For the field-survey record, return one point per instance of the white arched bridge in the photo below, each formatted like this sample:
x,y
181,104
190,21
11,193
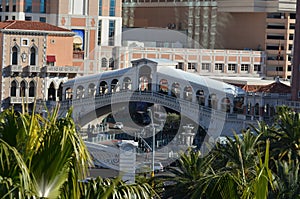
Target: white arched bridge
x,y
216,106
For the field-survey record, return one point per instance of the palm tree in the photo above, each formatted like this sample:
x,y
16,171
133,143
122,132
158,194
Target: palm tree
x,y
185,180
53,152
115,188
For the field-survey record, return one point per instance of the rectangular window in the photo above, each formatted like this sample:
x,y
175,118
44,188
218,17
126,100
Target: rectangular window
x,y
289,68
112,8
13,17
14,8
219,67
28,6
205,66
100,7
244,67
231,67
7,6
111,32
6,18
99,31
257,67
43,19
0,5
27,18
192,66
24,42
42,6
180,65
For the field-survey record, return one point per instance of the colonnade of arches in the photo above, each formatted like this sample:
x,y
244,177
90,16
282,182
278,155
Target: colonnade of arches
x,y
166,86
26,88
23,88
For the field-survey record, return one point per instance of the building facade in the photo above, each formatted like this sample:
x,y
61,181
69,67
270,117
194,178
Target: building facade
x,y
226,24
36,59
94,22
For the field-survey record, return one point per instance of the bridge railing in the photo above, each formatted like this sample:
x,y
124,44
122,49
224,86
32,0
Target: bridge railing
x,y
178,104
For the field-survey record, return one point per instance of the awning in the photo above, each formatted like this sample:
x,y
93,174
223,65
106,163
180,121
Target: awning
x,y
51,58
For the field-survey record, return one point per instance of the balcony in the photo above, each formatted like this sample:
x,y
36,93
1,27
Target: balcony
x,y
32,69
20,100
78,55
60,69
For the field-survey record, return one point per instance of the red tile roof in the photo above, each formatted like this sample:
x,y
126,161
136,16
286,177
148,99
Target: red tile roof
x,y
275,87
30,25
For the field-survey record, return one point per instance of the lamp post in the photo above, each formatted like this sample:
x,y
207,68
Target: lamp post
x,y
153,140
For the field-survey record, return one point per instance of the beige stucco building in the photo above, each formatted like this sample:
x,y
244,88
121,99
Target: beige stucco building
x,y
36,59
94,22
225,24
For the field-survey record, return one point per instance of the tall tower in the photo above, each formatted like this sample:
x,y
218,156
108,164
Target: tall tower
x,y
296,58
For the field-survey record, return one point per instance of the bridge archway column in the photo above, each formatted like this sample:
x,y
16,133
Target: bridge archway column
x,y
155,83
194,99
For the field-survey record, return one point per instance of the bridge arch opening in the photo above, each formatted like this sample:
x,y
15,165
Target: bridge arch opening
x,y
200,97
103,87
114,86
176,89
225,104
80,92
145,78
127,84
92,90
69,93
188,93
213,101
163,86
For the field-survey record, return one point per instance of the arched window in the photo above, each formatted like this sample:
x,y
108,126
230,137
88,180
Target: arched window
x,y
13,89
14,60
111,63
103,62
256,109
32,56
22,89
32,89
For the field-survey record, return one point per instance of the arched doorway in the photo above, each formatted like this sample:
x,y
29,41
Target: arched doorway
x,y
225,106
213,101
145,78
80,92
114,86
200,97
175,90
188,93
127,84
163,86
92,90
69,94
103,87
51,92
